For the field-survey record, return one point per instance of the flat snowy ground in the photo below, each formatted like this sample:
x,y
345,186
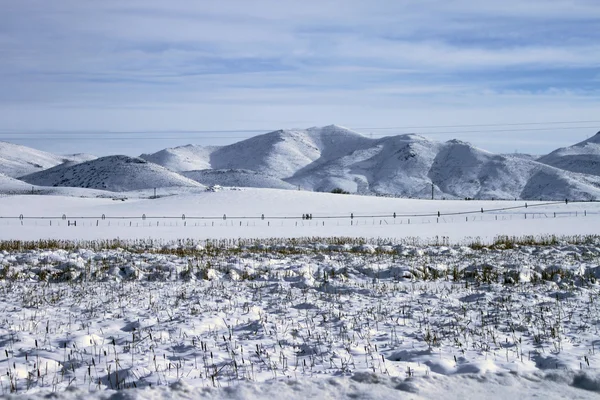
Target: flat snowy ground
x,y
312,318
373,217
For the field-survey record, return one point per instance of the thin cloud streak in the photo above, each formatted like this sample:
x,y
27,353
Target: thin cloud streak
x,y
181,65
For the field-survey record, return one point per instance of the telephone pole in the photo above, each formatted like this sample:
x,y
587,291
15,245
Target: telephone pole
x,y
432,187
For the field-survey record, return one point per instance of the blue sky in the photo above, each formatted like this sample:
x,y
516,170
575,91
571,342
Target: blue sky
x,y
110,76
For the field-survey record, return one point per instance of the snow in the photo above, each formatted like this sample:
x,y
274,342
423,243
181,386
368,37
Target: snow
x,y
112,173
583,157
236,177
183,158
373,216
17,160
250,319
323,159
233,293
11,185
328,158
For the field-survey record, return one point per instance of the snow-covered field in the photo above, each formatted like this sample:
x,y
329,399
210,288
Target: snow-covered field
x,y
425,309
283,209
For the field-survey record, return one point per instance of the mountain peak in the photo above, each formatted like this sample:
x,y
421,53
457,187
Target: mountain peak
x,y
459,142
593,139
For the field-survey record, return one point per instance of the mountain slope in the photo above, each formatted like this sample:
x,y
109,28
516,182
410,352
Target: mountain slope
x,y
280,153
183,158
10,185
236,177
112,173
323,159
17,160
409,165
583,157
283,153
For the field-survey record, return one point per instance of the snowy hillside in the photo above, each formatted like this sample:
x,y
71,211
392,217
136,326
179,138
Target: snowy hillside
x,y
283,153
183,158
583,157
113,173
409,165
236,177
10,185
17,160
323,159
280,153
530,157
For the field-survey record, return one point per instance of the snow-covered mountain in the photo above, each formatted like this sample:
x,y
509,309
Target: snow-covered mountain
x,y
323,159
113,173
280,153
409,165
183,158
583,157
237,177
17,160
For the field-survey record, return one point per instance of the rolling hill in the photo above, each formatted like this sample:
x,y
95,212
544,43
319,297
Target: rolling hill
x,y
112,173
237,177
17,160
10,185
583,157
323,159
183,158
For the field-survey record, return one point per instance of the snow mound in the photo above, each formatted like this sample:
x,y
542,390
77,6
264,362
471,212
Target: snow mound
x,y
112,173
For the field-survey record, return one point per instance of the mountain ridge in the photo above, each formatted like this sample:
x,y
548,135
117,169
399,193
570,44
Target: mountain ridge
x,y
332,157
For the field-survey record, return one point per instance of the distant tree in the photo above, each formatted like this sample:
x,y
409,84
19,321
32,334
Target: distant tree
x,y
339,191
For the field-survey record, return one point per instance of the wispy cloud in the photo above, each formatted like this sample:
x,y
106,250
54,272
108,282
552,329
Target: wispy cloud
x,y
238,64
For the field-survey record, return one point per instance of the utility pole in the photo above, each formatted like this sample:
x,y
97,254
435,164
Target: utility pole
x,y
432,187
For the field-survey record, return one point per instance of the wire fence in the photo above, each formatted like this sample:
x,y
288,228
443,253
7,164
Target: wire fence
x,y
524,208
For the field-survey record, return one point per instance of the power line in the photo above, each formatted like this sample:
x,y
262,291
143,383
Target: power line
x,y
147,132
100,136
432,213
491,125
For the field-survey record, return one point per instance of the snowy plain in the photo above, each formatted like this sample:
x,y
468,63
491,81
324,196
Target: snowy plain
x,y
283,209
421,309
